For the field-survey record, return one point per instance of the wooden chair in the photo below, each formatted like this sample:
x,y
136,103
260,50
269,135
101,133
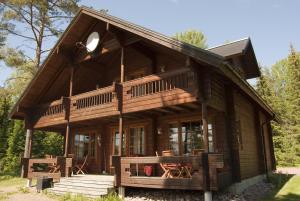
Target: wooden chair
x,y
164,168
53,167
171,170
81,168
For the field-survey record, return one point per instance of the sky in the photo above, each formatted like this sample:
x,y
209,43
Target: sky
x,y
272,25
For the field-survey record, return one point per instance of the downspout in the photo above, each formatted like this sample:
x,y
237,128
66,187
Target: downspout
x,y
264,146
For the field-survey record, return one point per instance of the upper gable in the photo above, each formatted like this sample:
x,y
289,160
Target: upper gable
x,y
54,74
241,56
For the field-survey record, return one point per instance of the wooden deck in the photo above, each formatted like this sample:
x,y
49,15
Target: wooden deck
x,y
146,93
203,170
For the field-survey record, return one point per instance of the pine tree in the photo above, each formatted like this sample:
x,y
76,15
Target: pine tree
x,y
193,37
5,123
16,141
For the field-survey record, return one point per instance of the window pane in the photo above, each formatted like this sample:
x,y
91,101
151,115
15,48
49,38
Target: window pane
x,y
82,145
117,143
137,146
192,137
173,138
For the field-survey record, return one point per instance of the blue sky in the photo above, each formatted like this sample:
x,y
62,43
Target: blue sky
x,y
271,24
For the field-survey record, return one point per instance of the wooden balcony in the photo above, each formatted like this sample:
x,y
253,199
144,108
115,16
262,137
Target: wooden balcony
x,y
94,104
156,91
202,172
146,93
49,114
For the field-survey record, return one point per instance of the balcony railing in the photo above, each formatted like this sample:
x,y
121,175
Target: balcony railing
x,y
94,104
150,92
50,114
154,91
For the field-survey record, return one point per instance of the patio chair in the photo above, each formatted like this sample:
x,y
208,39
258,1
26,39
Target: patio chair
x,y
81,167
171,170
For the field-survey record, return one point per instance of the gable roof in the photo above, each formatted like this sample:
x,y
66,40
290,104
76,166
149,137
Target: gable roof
x,y
243,49
52,65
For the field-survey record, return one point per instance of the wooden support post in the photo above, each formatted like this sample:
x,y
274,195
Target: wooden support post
x,y
67,139
68,108
27,151
122,66
121,134
122,79
28,143
205,126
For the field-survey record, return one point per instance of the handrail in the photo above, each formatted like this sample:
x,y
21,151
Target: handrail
x,y
63,167
152,84
53,108
94,98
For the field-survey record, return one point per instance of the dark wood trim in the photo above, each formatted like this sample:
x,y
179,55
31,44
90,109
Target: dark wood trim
x,y
270,134
261,141
231,133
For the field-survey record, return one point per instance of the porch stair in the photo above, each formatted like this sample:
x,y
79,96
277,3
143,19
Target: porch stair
x,y
91,186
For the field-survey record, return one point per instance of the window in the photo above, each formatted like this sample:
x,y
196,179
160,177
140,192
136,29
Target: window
x,y
137,138
192,137
210,138
189,137
117,142
173,138
84,145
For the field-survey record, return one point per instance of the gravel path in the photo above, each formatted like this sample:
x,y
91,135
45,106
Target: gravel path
x,y
253,193
289,170
14,194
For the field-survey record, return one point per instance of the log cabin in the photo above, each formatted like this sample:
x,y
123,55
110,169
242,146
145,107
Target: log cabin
x,y
141,100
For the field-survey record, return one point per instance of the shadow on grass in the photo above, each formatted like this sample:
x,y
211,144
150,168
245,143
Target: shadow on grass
x,y
279,180
288,197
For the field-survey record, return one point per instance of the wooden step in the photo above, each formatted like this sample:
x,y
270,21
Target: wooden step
x,y
87,185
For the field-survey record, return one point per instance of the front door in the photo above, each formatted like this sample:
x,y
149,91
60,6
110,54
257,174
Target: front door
x,y
86,144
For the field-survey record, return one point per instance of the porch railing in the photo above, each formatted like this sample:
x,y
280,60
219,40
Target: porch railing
x,y
38,167
200,172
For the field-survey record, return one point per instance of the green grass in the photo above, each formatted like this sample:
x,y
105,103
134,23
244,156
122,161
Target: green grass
x,y
286,188
79,197
8,180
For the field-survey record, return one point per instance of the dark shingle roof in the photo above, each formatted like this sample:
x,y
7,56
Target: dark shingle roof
x,y
232,48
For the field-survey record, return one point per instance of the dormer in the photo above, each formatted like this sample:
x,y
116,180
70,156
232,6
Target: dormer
x,y
241,56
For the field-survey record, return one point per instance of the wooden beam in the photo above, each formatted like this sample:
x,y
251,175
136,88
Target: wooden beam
x,y
205,126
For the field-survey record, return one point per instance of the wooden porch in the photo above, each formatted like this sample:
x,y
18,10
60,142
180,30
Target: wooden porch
x,y
193,172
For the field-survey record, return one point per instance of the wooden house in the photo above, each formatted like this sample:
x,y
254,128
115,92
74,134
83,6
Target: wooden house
x,y
191,106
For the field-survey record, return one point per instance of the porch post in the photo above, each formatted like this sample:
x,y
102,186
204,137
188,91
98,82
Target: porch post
x,y
206,93
68,105
205,126
27,149
122,78
67,140
120,97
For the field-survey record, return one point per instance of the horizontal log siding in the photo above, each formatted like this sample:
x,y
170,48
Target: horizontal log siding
x,y
248,141
217,100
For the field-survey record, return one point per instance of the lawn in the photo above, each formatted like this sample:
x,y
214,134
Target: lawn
x,y
287,188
